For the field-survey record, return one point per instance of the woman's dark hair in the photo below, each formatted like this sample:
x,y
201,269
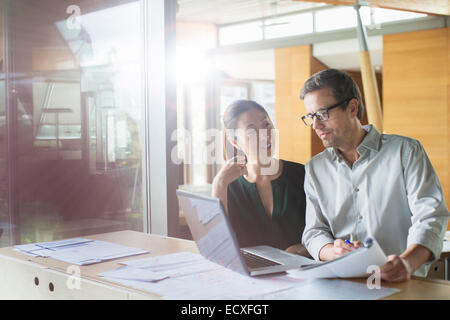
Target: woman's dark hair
x,y
341,84
230,118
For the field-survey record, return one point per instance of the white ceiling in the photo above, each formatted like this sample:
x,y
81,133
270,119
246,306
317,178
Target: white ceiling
x,y
229,11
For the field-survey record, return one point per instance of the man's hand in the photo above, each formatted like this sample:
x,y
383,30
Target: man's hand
x,y
338,248
400,268
397,269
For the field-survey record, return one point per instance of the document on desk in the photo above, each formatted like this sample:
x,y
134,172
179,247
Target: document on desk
x,y
189,276
174,264
220,283
79,251
131,273
329,289
351,265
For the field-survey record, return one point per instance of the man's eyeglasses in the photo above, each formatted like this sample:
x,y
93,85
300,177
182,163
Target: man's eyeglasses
x,y
322,115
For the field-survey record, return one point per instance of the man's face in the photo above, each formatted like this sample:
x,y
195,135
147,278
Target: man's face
x,y
337,130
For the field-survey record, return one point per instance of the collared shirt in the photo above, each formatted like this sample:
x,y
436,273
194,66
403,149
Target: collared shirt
x,y
391,193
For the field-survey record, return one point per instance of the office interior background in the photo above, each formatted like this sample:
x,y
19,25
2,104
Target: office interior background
x,y
105,105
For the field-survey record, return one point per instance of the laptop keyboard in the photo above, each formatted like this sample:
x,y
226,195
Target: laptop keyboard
x,y
254,261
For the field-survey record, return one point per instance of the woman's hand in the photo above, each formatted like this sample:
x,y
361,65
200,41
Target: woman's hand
x,y
230,171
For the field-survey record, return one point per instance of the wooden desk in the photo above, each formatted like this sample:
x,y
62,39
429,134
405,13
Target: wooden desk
x,y
19,273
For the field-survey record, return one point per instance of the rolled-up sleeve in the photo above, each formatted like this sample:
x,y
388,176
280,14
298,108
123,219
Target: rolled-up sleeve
x,y
426,201
317,231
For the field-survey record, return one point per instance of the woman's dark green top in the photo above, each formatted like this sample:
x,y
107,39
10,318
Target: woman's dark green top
x,y
253,226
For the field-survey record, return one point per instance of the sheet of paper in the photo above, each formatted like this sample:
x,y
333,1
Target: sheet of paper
x,y
131,273
175,264
352,265
79,251
63,243
164,260
221,284
329,289
50,245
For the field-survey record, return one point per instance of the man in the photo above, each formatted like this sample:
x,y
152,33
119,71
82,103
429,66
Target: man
x,y
368,184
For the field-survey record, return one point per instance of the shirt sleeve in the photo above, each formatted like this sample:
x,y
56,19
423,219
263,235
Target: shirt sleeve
x,y
317,232
426,201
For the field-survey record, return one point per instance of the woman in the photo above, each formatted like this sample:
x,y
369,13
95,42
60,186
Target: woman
x,y
263,196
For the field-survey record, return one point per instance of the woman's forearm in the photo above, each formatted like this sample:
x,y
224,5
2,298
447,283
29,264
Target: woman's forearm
x,y
219,190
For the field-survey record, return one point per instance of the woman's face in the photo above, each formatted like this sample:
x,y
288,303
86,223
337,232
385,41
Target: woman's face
x,y
254,136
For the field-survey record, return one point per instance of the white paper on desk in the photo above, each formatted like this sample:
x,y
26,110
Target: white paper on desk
x,y
174,264
164,260
63,243
351,265
329,289
220,283
33,247
79,251
93,252
130,273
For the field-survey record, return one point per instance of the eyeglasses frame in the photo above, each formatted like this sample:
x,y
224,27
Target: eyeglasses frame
x,y
346,101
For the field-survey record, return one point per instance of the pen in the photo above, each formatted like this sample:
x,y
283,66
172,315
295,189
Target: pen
x,y
349,242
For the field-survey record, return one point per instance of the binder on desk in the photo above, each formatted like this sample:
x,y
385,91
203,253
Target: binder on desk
x,y
354,264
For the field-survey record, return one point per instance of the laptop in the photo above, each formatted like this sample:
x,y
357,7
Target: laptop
x,y
216,241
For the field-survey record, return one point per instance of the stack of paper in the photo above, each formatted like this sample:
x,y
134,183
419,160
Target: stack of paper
x,y
189,276
186,275
161,267
79,251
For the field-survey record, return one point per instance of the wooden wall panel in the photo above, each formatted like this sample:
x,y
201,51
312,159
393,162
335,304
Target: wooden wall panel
x,y
415,93
292,69
293,66
448,121
316,143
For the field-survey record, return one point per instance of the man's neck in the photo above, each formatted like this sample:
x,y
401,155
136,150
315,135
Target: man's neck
x,y
349,152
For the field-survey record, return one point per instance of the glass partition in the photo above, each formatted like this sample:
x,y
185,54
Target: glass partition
x,y
76,71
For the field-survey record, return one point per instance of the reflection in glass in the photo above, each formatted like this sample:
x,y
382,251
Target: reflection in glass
x,y
79,108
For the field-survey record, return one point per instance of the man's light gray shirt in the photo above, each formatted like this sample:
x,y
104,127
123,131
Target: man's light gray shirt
x,y
391,193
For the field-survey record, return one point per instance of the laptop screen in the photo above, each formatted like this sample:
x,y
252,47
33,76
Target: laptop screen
x,y
211,230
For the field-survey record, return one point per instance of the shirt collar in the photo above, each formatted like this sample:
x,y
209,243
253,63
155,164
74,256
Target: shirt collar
x,y
372,139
